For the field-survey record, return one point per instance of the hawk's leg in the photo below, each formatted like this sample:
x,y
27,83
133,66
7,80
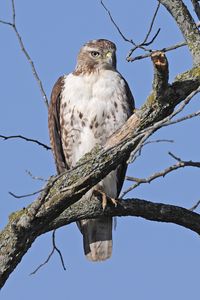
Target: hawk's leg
x,y
104,198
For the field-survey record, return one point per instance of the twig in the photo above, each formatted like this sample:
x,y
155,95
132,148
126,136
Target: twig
x,y
26,195
58,251
153,39
35,74
166,49
178,165
44,263
6,23
116,26
35,177
187,117
151,142
189,163
26,139
140,45
152,177
158,141
151,27
137,150
145,43
195,206
13,10
174,156
55,248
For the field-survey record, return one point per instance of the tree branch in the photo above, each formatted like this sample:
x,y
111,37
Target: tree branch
x,y
116,26
161,74
26,139
145,41
195,205
130,207
54,248
26,195
185,22
166,49
163,173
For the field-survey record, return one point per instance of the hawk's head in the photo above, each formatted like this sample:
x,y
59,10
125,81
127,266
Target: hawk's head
x,y
96,55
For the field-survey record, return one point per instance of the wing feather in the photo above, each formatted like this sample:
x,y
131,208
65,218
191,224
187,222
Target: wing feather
x,y
54,126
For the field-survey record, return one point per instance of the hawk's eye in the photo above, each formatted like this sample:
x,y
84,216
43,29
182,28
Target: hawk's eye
x,y
95,54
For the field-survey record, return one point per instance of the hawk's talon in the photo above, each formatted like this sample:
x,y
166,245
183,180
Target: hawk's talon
x,y
105,199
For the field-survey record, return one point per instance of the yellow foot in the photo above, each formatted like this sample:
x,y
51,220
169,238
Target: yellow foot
x,y
105,199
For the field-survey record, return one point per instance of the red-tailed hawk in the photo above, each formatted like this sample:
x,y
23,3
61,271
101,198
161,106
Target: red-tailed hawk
x,y
87,106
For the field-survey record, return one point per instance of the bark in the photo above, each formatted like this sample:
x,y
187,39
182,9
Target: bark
x,y
59,203
130,207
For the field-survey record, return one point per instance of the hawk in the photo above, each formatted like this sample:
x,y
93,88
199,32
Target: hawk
x,y
87,106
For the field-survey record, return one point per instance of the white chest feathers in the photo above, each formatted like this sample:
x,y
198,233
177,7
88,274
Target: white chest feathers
x,y
92,108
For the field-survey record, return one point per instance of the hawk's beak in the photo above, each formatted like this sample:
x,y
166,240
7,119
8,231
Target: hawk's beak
x,y
108,57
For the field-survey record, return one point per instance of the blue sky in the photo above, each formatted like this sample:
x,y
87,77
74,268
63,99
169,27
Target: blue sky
x,y
150,260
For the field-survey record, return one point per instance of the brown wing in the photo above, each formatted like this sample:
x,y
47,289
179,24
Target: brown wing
x,y
121,170
54,126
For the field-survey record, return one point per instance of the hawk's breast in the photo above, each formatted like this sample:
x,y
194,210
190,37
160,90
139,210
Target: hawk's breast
x,y
92,108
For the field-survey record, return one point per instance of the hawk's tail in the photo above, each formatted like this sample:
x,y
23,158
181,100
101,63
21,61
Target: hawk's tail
x,y
97,238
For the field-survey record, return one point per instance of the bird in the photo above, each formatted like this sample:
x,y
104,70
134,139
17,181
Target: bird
x,y
87,106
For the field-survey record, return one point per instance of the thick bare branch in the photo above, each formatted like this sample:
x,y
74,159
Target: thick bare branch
x,y
161,74
130,207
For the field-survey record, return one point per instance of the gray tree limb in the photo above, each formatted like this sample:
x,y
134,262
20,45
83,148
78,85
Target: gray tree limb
x,y
130,207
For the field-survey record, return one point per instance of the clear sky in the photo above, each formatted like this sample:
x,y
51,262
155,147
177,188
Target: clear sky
x,y
150,260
